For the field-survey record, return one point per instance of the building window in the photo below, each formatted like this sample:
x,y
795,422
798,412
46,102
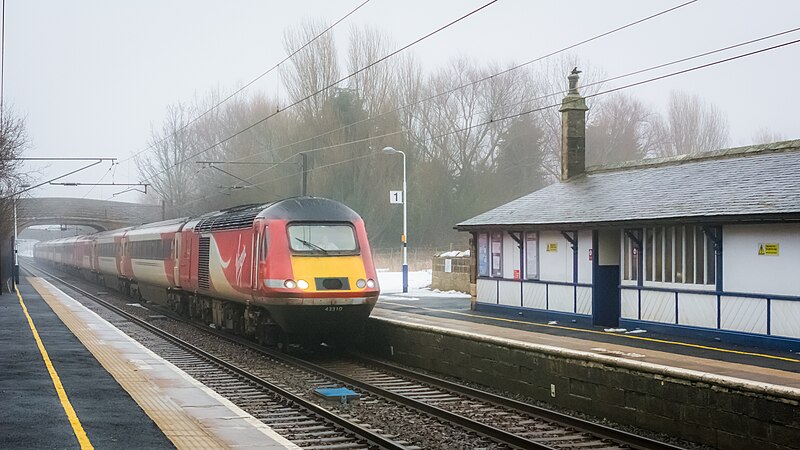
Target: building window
x,y
483,255
682,254
532,255
497,253
630,258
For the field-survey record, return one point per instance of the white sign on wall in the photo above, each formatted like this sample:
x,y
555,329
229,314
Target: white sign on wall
x,y
448,265
396,197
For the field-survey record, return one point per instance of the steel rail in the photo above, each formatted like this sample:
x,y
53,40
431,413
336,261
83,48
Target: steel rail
x,y
372,438
490,432
619,436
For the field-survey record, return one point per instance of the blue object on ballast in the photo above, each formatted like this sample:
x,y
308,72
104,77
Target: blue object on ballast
x,y
341,393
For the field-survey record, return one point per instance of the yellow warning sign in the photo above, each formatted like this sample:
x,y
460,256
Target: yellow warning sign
x,y
552,246
768,249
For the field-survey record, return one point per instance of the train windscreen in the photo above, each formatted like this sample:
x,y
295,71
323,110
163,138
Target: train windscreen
x,y
322,238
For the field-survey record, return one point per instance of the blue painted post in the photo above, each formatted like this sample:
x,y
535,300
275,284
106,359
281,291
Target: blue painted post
x,y
769,317
676,307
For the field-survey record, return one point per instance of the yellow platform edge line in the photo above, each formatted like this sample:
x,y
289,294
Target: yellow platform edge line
x,y
641,338
163,411
77,428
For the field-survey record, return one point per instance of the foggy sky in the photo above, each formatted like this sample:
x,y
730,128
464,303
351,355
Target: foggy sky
x,y
92,78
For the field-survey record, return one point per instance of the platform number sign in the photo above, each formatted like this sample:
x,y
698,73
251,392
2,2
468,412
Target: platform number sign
x,y
396,197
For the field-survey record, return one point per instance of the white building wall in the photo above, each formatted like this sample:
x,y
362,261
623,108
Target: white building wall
x,y
785,318
510,293
744,270
629,304
487,291
557,265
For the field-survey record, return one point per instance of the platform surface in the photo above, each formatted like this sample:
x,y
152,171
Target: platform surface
x,y
779,368
122,395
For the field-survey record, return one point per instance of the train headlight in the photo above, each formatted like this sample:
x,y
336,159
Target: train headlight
x,y
370,283
361,283
289,284
302,284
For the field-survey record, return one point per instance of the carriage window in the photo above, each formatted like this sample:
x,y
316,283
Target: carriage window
x,y
322,238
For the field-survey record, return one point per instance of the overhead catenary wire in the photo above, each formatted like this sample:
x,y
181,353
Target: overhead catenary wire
x,y
556,105
309,96
543,97
112,167
481,80
250,83
463,86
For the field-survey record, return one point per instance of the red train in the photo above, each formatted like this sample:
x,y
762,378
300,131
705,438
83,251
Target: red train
x,y
296,267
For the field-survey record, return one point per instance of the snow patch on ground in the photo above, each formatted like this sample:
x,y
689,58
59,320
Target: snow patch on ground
x,y
419,283
636,331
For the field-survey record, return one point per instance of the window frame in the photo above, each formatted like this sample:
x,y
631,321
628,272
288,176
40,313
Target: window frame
x,y
483,245
496,272
356,251
528,275
690,243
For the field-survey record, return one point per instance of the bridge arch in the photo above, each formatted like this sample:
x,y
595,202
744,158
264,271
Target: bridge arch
x,y
100,215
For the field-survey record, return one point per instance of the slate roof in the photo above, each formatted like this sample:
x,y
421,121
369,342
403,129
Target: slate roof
x,y
752,183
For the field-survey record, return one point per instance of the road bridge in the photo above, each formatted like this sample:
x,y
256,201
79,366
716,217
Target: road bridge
x,y
98,214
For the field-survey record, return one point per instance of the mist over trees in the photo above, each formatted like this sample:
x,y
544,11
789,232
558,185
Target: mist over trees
x,y
476,135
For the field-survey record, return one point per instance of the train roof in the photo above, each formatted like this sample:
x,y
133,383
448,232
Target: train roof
x,y
303,209
306,209
309,209
164,226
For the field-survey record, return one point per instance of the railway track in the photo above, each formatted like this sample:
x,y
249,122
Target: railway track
x,y
303,422
494,421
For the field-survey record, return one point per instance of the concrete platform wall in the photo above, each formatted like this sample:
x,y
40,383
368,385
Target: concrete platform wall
x,y
707,409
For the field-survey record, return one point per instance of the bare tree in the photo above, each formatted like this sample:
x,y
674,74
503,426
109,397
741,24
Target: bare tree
x,y
622,129
375,86
764,135
169,167
312,69
13,141
693,125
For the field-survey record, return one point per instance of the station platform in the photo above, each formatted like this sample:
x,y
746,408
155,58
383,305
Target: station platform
x,y
68,379
763,368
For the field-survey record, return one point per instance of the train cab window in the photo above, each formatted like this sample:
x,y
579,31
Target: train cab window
x,y
262,255
322,238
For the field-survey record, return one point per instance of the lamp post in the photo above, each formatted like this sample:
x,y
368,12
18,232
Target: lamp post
x,y
389,151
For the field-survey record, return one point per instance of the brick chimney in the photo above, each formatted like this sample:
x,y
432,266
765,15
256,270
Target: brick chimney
x,y
573,130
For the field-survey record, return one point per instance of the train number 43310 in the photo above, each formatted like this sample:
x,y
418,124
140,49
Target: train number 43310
x,y
334,308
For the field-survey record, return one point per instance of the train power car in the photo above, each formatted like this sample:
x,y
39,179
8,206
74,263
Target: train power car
x,y
299,268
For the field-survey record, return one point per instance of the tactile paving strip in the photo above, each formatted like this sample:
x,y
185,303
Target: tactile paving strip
x,y
190,415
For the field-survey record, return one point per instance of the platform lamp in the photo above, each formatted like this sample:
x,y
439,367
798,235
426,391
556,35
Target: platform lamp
x,y
390,151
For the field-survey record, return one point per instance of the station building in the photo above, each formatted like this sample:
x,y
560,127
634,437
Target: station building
x,y
705,244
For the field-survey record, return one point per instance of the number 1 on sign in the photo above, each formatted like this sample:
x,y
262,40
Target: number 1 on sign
x,y
396,197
